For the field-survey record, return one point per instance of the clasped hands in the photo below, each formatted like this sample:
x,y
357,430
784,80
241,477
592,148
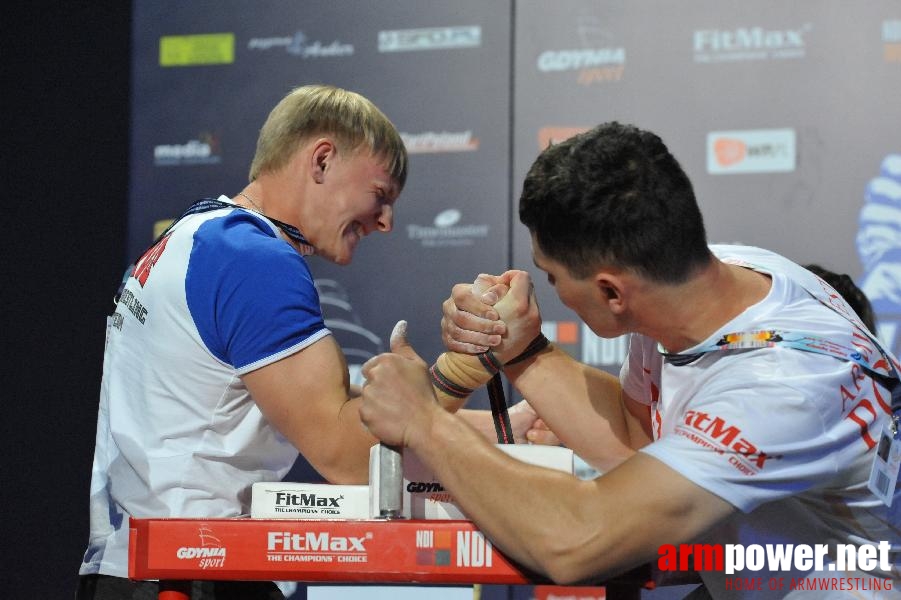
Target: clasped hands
x,y
497,312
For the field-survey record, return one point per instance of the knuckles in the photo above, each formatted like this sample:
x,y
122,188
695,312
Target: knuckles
x,y
460,291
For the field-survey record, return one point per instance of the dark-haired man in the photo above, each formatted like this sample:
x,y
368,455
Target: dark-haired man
x,y
748,411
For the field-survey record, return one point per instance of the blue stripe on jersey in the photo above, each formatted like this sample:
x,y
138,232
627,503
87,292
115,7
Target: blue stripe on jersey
x,y
250,294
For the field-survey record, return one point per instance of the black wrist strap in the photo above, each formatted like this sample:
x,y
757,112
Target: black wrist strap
x,y
535,346
499,412
496,395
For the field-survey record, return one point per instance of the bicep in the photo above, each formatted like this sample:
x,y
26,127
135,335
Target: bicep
x,y
306,396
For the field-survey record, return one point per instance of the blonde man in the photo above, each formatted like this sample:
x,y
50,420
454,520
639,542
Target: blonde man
x,y
219,367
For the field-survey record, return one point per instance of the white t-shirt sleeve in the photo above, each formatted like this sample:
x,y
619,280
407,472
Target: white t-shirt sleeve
x,y
762,432
640,371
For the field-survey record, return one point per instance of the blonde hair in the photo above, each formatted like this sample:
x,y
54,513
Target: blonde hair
x,y
312,110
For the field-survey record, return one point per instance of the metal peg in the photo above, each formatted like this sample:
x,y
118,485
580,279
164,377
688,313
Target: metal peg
x,y
391,482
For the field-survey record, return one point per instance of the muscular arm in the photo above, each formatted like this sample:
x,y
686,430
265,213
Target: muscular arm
x,y
551,522
306,396
585,407
569,529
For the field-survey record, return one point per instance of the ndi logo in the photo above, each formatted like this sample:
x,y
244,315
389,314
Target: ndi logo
x,y
578,340
474,550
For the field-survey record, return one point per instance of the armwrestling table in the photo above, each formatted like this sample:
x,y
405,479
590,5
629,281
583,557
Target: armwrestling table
x,y
177,551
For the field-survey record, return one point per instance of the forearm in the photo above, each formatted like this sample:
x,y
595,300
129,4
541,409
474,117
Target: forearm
x,y
546,520
558,387
480,420
538,517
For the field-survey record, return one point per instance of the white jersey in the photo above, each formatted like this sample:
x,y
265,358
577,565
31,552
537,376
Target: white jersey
x,y
178,435
784,435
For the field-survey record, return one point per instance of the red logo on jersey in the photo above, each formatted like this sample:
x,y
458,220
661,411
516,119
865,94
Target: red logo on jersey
x,y
715,433
146,262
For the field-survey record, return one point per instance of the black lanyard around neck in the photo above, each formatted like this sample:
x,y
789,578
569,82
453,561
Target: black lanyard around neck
x,y
207,205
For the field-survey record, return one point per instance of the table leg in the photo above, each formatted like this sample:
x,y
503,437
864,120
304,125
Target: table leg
x,y
175,590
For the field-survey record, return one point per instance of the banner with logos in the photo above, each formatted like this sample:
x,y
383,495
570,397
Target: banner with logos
x,y
206,75
784,116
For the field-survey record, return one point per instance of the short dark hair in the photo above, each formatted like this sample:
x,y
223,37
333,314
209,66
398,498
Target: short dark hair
x,y
614,195
848,290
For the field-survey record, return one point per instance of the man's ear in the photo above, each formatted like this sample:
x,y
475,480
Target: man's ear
x,y
320,158
612,291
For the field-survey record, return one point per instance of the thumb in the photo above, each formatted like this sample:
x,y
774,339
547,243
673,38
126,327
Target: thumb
x,y
399,343
520,288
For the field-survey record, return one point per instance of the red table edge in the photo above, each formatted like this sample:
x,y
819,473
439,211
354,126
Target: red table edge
x,y
173,581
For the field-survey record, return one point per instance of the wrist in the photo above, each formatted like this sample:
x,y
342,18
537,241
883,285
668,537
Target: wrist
x,y
419,431
458,375
539,343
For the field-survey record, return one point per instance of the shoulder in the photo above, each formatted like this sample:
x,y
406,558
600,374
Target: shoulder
x,y
238,231
238,244
773,392
735,254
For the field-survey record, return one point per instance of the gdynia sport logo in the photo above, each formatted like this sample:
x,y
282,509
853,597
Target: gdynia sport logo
x,y
812,567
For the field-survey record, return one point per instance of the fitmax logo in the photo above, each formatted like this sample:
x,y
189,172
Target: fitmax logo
x,y
750,38
749,43
725,436
311,541
287,499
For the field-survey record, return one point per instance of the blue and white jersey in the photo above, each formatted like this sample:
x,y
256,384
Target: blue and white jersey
x,y
222,294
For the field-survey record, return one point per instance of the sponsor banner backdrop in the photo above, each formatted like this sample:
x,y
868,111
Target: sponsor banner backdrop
x,y
206,74
781,115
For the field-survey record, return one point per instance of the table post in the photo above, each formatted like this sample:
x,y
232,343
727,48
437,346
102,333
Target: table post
x,y
175,590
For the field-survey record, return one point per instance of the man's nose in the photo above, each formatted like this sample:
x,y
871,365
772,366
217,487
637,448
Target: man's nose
x,y
385,219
